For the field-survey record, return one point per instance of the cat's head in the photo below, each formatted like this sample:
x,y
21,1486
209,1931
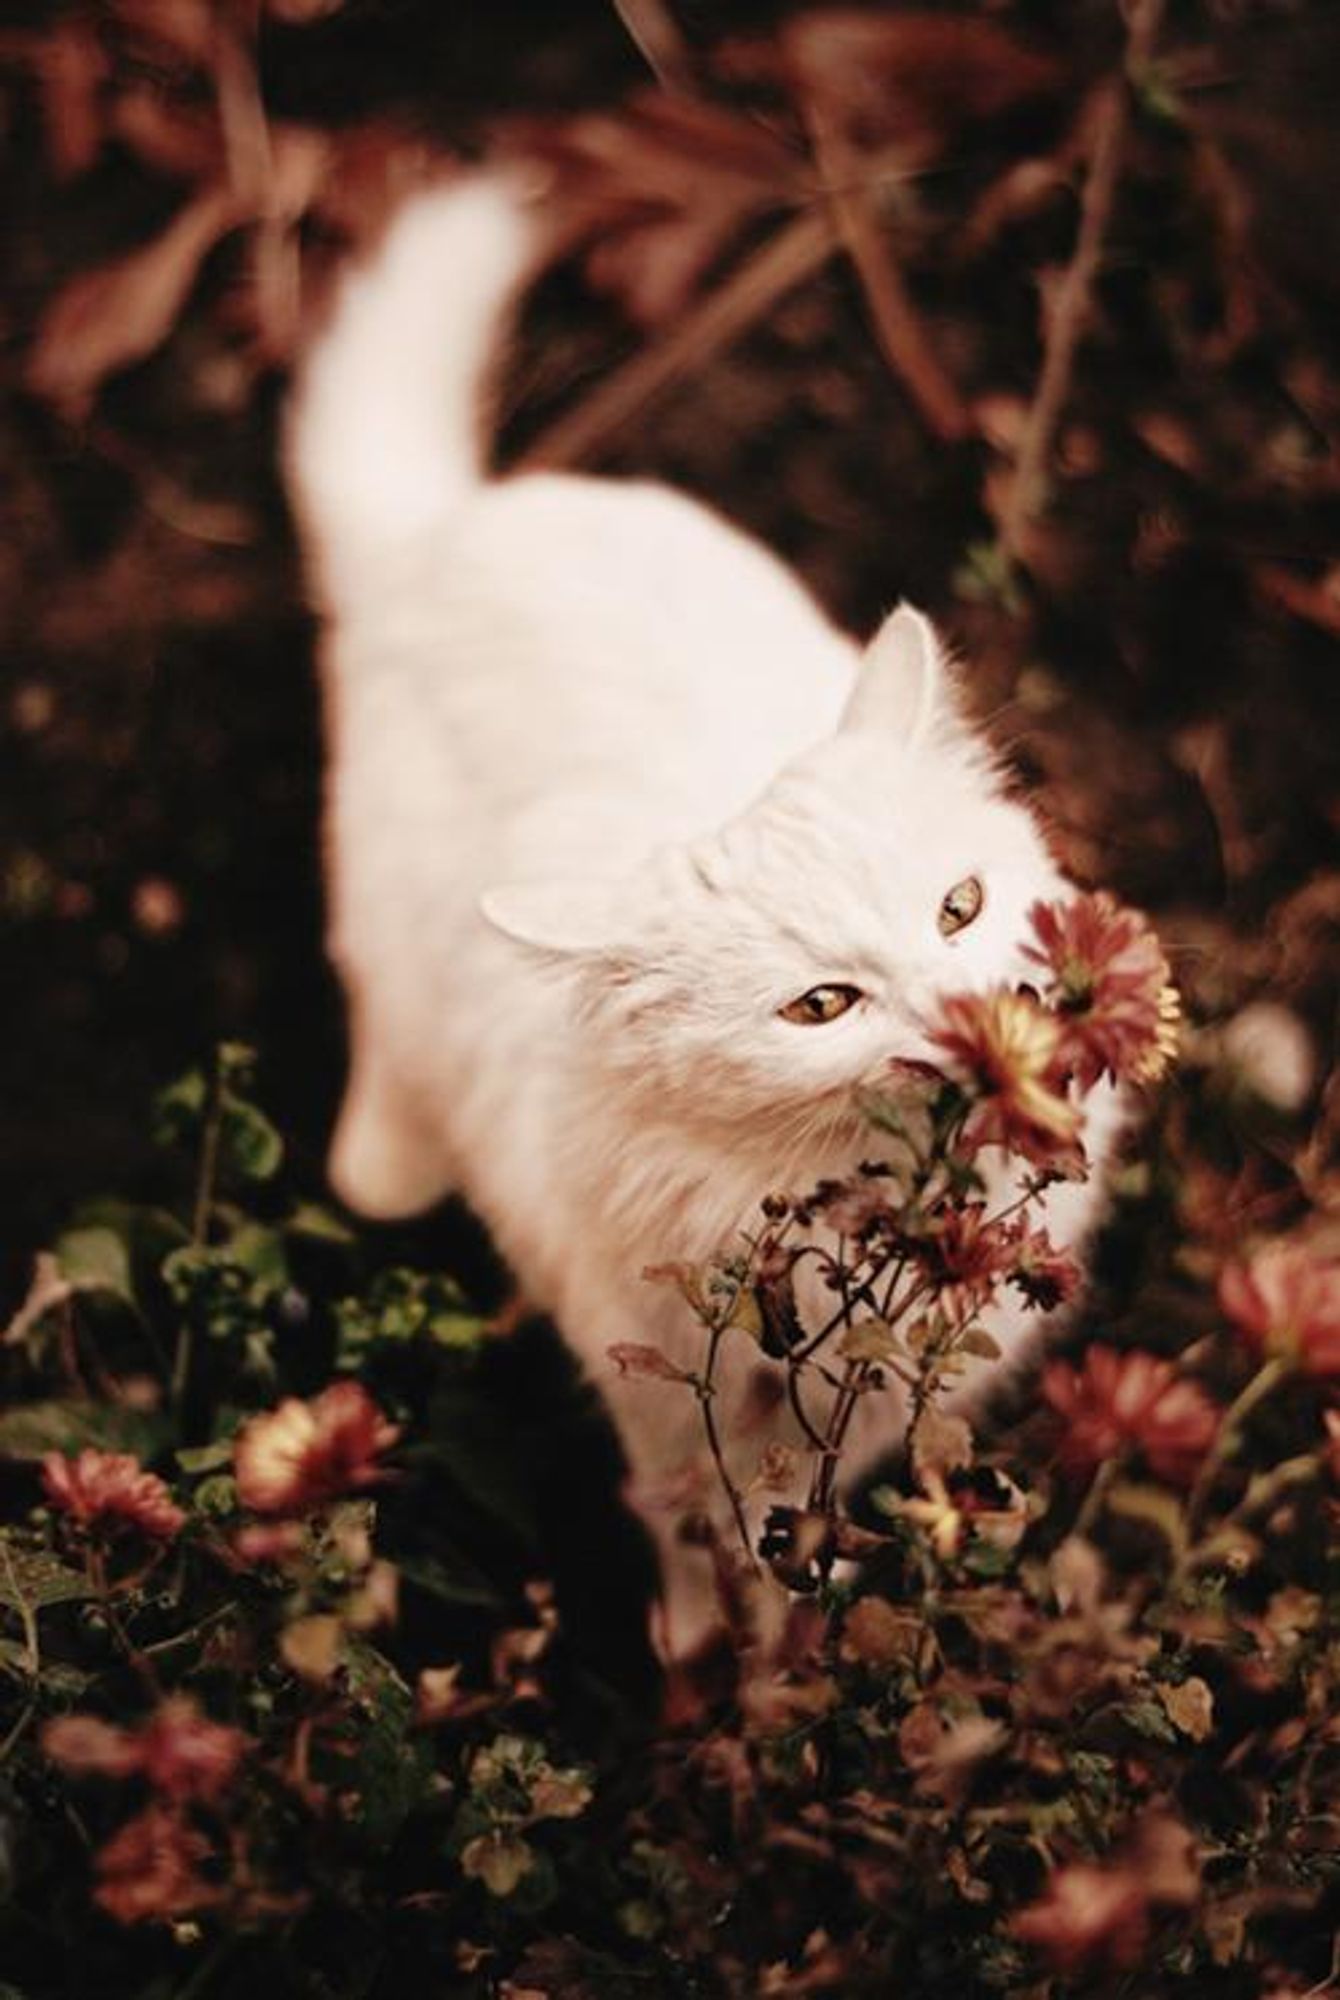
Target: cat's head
x,y
775,968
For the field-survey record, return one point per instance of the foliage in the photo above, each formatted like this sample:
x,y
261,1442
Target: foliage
x,y
1048,1713
1056,1714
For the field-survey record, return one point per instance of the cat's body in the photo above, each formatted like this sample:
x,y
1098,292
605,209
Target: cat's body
x,y
593,821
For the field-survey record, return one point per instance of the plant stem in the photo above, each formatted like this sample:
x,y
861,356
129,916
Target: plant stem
x,y
705,1390
202,1209
1262,1384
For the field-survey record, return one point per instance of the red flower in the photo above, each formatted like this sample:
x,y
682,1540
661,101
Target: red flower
x,y
147,1870
301,1455
1046,1276
181,1753
111,1490
1119,1401
965,1257
1287,1301
1087,1914
1007,1047
1111,989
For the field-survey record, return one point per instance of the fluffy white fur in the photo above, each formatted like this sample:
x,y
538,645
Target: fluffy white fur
x,y
606,791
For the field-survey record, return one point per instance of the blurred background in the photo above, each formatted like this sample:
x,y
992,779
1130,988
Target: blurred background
x,y
1025,310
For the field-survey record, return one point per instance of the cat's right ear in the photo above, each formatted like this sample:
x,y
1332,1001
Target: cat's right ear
x,y
898,687
569,918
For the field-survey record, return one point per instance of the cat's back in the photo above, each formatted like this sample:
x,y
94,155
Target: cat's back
x,y
612,641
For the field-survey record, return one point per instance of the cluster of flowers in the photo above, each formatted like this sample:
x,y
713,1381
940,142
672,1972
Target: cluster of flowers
x,y
287,1463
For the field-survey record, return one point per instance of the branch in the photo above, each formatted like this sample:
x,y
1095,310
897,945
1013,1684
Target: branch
x,y
784,262
1074,300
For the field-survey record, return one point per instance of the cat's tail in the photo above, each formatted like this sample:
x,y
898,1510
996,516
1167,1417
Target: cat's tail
x,y
385,432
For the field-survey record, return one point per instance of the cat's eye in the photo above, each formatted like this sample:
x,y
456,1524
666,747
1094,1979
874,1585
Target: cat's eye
x,y
960,905
820,1004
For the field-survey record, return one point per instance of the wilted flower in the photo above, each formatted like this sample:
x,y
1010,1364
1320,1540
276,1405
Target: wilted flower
x,y
179,1751
1046,1276
301,1455
1118,1401
147,1870
111,1490
1286,1300
1087,1914
1007,1046
1114,998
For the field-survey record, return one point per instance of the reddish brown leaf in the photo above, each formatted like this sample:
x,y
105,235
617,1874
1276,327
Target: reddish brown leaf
x,y
72,71
913,80
170,135
108,318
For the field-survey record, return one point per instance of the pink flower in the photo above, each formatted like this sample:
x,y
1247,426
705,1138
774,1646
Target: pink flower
x,y
147,1870
301,1455
1110,988
1006,1047
112,1491
1118,1402
179,1751
1087,1914
1286,1299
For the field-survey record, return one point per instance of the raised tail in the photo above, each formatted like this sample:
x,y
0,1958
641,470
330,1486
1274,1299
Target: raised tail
x,y
384,436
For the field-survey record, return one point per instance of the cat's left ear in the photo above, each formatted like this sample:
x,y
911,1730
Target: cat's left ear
x,y
900,687
565,917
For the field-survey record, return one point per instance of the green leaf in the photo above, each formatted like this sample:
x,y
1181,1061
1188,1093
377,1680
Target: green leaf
x,y
395,1763
95,1260
32,1578
30,1430
261,1252
1148,1718
450,1576
1153,1506
205,1457
312,1218
251,1144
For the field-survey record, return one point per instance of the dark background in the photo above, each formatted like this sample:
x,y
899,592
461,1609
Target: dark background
x,y
159,772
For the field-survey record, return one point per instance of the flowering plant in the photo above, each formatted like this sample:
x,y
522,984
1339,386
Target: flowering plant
x,y
307,1675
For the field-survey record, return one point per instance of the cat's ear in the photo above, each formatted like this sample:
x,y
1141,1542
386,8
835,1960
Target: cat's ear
x,y
900,683
569,917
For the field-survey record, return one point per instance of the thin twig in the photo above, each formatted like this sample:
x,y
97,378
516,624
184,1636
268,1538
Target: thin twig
x,y
793,254
897,324
706,1391
1070,312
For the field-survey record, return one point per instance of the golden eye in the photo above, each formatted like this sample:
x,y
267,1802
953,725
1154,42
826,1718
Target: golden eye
x,y
961,905
820,1004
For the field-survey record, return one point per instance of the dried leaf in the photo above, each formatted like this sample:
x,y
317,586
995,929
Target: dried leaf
x,y
111,317
72,73
631,1357
311,1646
1190,1707
913,81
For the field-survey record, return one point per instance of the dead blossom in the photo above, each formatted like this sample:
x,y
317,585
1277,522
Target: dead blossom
x,y
111,1491
1286,1300
1007,1049
1110,987
1115,1403
301,1455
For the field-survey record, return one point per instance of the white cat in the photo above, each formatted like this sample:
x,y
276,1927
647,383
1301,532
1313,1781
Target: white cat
x,y
608,793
